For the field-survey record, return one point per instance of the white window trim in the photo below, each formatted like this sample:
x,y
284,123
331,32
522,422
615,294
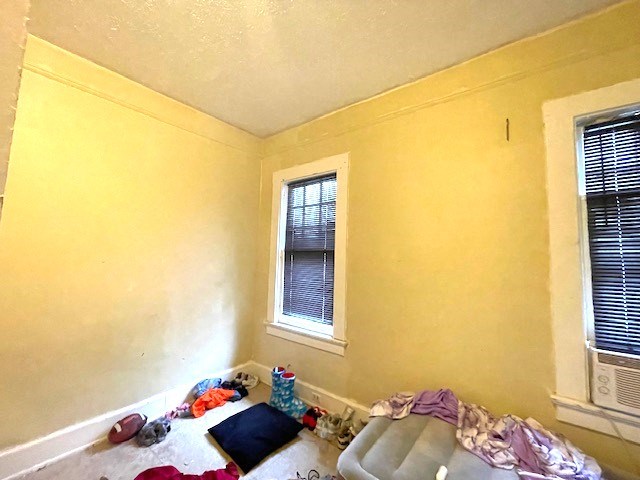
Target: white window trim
x,y
571,325
317,336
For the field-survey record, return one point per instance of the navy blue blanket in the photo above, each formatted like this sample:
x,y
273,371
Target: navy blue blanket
x,y
249,436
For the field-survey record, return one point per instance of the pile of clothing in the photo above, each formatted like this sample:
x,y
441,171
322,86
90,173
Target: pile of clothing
x,y
207,394
213,392
506,442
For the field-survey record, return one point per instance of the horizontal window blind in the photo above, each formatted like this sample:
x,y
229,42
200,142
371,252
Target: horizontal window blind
x,y
612,177
309,249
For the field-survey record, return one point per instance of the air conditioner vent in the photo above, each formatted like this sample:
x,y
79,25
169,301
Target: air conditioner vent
x,y
619,361
628,388
615,382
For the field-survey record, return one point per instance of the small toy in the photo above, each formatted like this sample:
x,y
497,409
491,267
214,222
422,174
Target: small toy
x,y
126,428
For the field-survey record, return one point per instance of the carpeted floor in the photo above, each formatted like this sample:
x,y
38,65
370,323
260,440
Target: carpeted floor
x,y
191,449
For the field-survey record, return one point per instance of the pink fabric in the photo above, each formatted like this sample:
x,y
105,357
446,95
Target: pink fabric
x,y
230,472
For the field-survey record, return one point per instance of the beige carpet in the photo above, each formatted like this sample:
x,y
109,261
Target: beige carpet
x,y
191,449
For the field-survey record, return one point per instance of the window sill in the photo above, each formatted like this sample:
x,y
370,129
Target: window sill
x,y
588,415
305,337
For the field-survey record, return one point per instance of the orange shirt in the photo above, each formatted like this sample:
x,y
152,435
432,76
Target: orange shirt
x,y
212,398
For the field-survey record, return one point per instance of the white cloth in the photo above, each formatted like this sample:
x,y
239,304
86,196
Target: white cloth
x,y
396,407
509,442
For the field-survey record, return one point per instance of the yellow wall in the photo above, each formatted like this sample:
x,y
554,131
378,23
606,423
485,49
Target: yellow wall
x,y
126,246
133,225
13,31
448,257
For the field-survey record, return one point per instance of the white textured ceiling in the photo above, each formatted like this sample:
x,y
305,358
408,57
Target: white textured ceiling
x,y
266,65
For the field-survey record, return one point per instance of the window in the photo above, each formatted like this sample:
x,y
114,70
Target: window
x,y
309,253
585,268
611,188
307,274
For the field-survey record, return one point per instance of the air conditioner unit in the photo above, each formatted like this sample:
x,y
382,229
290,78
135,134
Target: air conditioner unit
x,y
615,381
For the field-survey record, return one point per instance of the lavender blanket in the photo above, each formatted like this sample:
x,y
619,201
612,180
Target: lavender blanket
x,y
506,442
441,404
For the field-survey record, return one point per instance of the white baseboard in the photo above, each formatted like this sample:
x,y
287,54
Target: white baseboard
x,y
33,455
306,391
19,460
